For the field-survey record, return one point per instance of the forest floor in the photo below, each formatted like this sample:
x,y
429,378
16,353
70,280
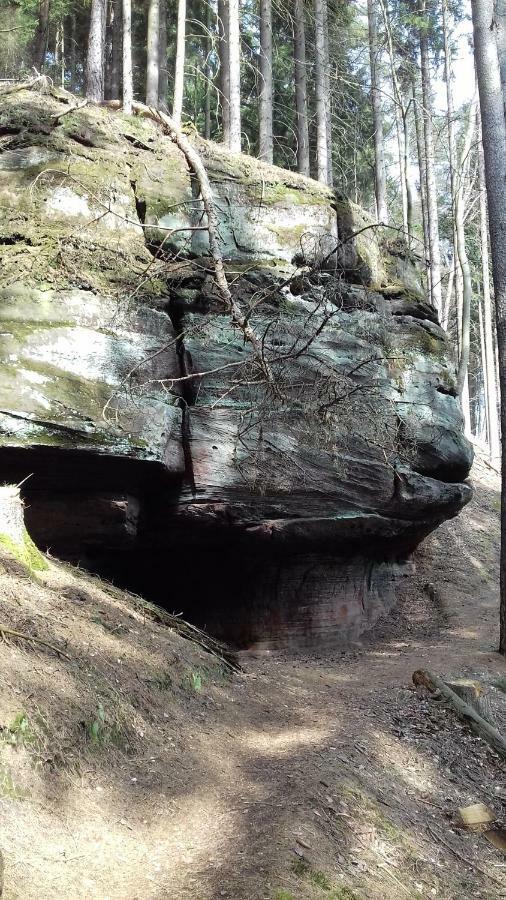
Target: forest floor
x,y
139,767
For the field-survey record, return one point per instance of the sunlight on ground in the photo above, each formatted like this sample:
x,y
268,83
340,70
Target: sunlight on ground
x,y
411,767
284,742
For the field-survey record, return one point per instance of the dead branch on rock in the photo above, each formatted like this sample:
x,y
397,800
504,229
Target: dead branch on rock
x,y
464,710
196,165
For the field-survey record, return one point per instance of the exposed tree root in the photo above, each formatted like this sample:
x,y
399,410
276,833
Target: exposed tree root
x,y
11,632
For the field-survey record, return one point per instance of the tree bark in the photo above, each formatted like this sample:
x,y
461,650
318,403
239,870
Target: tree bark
x,y
117,51
163,80
380,179
300,72
321,104
432,209
467,292
96,53
491,394
452,144
153,53
224,72
420,146
234,45
266,142
208,73
177,108
328,94
494,143
41,36
128,90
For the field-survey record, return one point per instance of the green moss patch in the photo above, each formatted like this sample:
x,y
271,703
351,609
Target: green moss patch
x,y
26,552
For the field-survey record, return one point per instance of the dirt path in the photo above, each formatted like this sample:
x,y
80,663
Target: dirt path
x,y
306,777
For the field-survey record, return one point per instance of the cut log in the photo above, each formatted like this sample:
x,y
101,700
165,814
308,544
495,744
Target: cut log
x,y
465,712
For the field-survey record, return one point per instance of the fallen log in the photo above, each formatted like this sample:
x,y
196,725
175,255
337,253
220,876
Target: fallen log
x,y
464,711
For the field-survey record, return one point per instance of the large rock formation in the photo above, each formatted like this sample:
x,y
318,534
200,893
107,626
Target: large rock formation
x,y
271,515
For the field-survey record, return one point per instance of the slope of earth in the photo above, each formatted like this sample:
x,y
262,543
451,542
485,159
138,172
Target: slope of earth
x,y
141,767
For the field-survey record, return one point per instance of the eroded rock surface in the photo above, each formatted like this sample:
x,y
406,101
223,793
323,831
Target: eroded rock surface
x,y
282,516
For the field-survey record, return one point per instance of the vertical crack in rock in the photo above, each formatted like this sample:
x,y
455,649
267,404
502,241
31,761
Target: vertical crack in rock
x,y
188,395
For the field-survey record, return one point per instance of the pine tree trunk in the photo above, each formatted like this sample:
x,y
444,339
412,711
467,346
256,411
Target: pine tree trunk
x,y
432,209
320,83
163,79
177,108
420,147
266,147
41,37
96,53
153,53
467,291
328,93
491,393
494,142
128,90
301,120
234,45
380,179
450,123
224,73
117,51
208,73
73,55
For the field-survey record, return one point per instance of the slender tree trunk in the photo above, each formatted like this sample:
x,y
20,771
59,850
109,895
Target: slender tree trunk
x,y
266,143
153,53
117,51
73,48
96,53
450,119
380,179
494,142
234,44
491,393
467,292
299,50
432,209
163,79
41,36
128,89
224,73
208,73
420,147
410,203
177,108
320,84
328,94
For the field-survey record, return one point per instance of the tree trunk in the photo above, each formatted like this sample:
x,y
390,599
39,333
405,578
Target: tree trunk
x,y
116,54
467,292
208,73
234,44
301,120
491,393
41,36
163,80
320,90
328,94
494,143
420,147
450,121
73,55
224,73
380,179
153,53
432,210
266,145
177,108
96,53
128,89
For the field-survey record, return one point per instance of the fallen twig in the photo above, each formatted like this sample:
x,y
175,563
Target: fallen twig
x,y
11,632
